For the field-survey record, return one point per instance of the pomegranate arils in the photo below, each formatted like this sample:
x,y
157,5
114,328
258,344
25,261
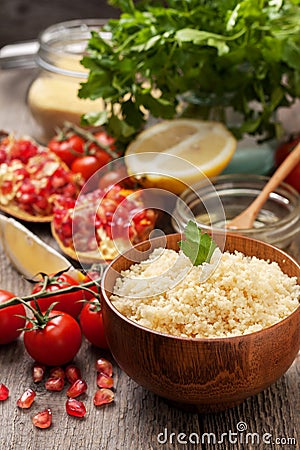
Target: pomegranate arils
x,y
72,373
38,372
34,177
57,372
120,214
103,397
104,366
77,388
75,408
43,419
54,384
104,381
4,392
26,399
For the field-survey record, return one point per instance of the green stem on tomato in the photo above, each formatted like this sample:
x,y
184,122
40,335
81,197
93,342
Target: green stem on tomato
x,y
91,138
43,294
38,315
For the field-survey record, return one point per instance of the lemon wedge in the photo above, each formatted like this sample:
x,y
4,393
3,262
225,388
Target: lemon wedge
x,y
174,154
28,253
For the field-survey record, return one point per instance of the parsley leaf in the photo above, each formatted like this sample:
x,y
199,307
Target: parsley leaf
x,y
213,54
197,246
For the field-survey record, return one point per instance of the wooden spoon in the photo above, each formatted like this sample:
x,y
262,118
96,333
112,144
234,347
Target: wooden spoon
x,y
247,217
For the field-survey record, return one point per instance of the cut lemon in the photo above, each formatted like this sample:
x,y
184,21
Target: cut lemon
x,y
175,154
28,253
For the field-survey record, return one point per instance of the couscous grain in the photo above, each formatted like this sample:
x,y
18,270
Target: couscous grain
x,y
242,295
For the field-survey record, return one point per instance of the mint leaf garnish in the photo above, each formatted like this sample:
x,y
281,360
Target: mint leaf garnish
x,y
197,246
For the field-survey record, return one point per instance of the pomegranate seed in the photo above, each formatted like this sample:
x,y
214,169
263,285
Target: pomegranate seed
x,y
104,381
38,372
77,388
54,384
72,373
103,396
3,156
104,366
57,372
26,400
75,408
43,419
26,198
6,187
4,392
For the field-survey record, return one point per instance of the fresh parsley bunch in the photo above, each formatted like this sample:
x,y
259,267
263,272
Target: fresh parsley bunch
x,y
242,54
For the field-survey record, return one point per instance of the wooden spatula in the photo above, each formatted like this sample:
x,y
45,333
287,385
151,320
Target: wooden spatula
x,y
246,218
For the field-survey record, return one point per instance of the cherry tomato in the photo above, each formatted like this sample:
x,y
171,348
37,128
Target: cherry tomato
x,y
69,302
91,323
67,149
103,157
105,139
87,166
91,276
281,153
10,324
55,344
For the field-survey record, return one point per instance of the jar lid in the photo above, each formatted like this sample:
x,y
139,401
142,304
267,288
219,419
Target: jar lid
x,y
62,45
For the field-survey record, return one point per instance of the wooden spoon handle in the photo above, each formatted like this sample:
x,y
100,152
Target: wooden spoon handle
x,y
281,173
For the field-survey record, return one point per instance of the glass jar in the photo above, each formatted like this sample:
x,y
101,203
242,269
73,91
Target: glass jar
x,y
53,95
277,223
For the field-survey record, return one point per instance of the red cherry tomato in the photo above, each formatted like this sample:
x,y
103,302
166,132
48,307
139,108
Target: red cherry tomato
x,y
91,323
281,153
87,166
92,276
10,324
67,149
55,344
105,139
103,157
69,302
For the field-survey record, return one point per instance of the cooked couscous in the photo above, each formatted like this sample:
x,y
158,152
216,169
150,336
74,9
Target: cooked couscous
x,y
242,295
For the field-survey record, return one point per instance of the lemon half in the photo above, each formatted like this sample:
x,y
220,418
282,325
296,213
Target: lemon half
x,y
175,154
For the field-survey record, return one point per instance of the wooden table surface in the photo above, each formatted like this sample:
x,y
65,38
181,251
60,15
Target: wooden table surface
x,y
137,419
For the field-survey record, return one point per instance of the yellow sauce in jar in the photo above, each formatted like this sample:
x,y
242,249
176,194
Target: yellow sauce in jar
x,y
53,99
53,96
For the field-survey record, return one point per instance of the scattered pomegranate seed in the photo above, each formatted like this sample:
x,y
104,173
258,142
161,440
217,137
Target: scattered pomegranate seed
x,y
26,399
75,407
4,392
72,373
104,366
43,419
104,381
77,388
38,372
57,372
54,384
103,397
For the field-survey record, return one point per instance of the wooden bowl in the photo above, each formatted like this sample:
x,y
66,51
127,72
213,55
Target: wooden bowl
x,y
203,375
